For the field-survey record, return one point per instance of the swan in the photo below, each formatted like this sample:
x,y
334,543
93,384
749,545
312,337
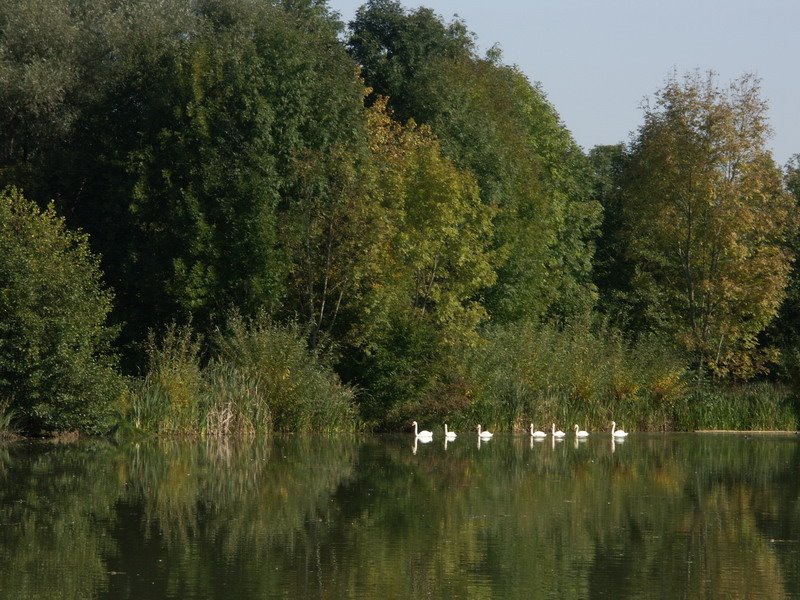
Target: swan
x,y
449,435
617,432
537,434
422,435
580,432
557,434
484,435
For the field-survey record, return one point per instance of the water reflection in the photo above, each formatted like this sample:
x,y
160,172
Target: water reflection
x,y
671,516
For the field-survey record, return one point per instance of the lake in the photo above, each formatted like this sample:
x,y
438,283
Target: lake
x,y
657,516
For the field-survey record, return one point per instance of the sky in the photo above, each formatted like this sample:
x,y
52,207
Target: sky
x,y
597,60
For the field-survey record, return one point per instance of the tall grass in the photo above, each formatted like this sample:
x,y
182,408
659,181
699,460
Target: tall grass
x,y
297,389
172,397
752,406
260,378
588,373
582,373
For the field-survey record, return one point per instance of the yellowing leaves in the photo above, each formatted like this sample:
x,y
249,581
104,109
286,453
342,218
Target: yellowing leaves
x,y
707,217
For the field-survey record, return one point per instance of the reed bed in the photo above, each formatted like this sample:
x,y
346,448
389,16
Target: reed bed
x,y
582,373
259,378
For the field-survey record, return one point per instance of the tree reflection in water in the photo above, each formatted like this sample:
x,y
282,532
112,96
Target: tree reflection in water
x,y
684,516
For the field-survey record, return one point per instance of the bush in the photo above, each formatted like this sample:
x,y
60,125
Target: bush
x,y
171,396
261,378
282,380
57,371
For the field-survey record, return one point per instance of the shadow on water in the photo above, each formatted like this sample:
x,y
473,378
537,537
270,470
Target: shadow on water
x,y
684,516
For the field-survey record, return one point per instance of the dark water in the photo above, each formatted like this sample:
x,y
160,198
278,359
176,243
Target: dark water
x,y
659,516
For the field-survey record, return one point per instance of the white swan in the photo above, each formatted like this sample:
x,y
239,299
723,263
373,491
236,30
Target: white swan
x,y
422,435
449,435
617,432
580,432
556,434
537,434
484,435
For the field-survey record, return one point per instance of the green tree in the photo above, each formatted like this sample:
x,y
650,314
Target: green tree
x,y
788,322
59,57
785,329
493,122
612,271
56,366
434,259
335,231
706,220
183,162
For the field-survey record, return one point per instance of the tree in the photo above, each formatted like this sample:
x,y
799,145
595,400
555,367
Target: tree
x,y
785,330
183,162
335,230
432,259
706,217
612,271
493,122
56,367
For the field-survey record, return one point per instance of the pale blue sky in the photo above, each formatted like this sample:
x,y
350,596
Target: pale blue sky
x,y
597,59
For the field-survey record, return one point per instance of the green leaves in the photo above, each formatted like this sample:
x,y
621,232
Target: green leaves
x,y
492,122
706,219
56,365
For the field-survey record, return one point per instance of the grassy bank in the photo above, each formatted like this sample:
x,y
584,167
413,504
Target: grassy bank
x,y
751,406
253,378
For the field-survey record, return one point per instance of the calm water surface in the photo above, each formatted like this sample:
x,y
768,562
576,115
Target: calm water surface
x,y
658,516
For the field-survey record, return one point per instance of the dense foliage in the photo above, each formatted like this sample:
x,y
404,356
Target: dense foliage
x,y
410,209
706,219
260,378
494,122
57,370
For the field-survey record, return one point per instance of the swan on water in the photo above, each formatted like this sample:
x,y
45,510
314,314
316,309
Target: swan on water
x,y
484,435
537,433
556,434
617,432
580,432
450,435
422,435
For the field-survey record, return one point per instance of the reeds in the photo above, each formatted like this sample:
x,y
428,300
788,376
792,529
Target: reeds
x,y
584,372
764,406
260,378
285,381
588,373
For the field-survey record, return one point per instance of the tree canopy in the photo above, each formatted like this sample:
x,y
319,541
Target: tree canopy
x,y
385,191
707,219
492,121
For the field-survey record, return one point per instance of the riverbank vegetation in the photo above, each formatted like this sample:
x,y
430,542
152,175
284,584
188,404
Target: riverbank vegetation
x,y
252,218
